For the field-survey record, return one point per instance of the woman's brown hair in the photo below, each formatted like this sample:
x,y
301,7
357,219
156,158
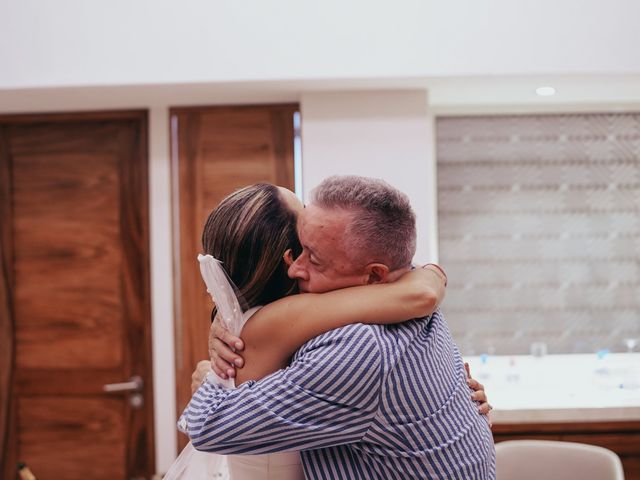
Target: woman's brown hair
x,y
249,231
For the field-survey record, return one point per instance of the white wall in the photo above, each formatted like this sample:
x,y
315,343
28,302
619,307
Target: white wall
x,y
80,42
162,327
384,134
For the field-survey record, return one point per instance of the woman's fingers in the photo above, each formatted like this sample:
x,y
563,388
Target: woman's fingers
x,y
485,409
479,396
474,385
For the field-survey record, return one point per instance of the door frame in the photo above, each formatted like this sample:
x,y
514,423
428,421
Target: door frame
x,y
136,174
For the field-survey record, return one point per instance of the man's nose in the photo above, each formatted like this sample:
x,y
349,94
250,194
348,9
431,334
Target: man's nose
x,y
297,271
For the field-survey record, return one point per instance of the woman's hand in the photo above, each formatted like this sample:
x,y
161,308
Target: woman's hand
x,y
223,348
439,289
479,395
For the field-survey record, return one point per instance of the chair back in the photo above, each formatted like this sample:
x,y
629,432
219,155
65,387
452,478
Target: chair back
x,y
550,460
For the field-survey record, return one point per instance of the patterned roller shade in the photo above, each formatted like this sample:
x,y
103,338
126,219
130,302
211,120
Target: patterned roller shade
x,y
539,228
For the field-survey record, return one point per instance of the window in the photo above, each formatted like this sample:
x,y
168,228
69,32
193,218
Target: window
x,y
539,230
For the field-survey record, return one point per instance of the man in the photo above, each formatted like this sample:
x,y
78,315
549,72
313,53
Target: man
x,y
362,401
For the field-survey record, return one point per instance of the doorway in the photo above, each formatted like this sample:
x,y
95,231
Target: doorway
x,y
216,150
77,394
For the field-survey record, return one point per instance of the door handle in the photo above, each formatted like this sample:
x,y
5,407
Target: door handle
x,y
134,384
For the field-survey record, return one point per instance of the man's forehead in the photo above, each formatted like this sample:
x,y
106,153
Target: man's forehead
x,y
321,228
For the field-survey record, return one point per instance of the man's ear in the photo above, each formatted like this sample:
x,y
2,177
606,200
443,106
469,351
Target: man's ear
x,y
376,273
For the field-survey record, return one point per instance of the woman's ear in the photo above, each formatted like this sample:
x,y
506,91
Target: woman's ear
x,y
377,273
288,257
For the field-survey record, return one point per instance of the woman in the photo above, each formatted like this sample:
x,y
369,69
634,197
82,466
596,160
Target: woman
x,y
252,232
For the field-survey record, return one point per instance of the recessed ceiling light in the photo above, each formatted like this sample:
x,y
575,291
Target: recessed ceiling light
x,y
545,91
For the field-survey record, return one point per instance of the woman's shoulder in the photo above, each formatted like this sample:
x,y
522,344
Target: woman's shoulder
x,y
251,312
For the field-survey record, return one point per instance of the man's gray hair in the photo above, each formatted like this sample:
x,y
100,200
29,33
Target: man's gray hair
x,y
383,228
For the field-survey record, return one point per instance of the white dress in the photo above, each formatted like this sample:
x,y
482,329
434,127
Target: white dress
x,y
271,466
193,464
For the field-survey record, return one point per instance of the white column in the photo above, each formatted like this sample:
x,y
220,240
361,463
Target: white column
x,y
383,134
164,383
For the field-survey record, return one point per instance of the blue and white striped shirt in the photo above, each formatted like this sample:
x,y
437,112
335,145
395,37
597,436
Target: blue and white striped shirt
x,y
358,402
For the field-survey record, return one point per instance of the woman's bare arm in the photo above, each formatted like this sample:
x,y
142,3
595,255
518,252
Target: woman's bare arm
x,y
275,332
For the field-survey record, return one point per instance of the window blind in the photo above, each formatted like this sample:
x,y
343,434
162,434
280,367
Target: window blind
x,y
539,231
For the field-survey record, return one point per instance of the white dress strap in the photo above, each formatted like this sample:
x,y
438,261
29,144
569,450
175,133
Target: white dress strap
x,y
193,464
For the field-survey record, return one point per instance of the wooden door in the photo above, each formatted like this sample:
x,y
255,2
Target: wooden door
x,y
74,295
216,151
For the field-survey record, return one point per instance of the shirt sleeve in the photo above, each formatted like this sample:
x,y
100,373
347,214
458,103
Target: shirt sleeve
x,y
328,396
